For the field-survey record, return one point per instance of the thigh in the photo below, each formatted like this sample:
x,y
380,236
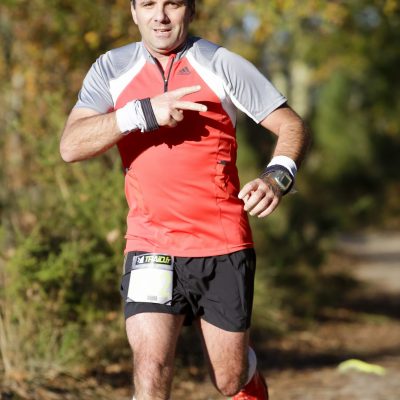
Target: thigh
x,y
153,336
226,353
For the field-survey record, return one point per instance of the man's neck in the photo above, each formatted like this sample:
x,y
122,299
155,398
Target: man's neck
x,y
163,58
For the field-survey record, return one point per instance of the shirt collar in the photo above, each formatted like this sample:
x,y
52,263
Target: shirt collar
x,y
179,52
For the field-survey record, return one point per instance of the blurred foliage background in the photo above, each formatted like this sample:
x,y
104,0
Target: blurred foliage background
x,y
62,226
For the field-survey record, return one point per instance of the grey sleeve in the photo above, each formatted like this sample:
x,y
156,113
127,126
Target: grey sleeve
x,y
249,90
95,91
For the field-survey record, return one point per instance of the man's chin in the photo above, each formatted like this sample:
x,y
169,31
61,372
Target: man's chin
x,y
163,51
165,47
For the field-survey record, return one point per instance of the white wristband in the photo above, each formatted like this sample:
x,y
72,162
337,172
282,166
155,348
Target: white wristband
x,y
286,162
130,117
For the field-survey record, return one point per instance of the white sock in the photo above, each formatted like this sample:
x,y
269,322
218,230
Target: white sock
x,y
252,364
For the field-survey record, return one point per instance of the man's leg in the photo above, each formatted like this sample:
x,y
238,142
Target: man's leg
x,y
227,356
153,338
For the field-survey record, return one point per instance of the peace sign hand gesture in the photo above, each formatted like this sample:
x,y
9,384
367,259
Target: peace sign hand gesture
x,y
168,107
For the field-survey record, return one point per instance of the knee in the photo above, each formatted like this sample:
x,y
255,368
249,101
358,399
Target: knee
x,y
231,382
151,376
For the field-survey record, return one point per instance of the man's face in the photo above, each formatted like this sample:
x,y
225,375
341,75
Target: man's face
x,y
163,24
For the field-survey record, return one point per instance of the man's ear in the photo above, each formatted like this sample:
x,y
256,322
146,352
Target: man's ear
x,y
133,11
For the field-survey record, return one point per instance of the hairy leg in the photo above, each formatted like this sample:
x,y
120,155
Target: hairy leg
x,y
227,356
153,337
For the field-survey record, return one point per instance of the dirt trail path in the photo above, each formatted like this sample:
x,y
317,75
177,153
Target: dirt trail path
x,y
379,259
374,336
369,330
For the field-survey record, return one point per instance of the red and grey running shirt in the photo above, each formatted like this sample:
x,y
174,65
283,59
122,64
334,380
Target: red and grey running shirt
x,y
182,183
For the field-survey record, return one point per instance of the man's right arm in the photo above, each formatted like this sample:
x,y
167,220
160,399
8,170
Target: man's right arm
x,y
88,133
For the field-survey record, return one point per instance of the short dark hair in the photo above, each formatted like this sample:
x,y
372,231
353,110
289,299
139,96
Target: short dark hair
x,y
191,4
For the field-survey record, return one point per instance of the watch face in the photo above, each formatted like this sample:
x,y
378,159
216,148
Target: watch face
x,y
283,179
286,181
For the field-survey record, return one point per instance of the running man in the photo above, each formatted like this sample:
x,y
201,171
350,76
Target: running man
x,y
169,103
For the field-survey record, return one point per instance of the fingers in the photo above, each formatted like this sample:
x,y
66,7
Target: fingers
x,y
176,115
178,93
247,189
189,105
269,209
186,105
265,207
259,198
168,109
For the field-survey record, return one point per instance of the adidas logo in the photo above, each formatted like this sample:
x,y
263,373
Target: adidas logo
x,y
184,71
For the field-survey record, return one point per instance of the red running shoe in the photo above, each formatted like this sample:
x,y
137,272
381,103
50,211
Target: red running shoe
x,y
256,389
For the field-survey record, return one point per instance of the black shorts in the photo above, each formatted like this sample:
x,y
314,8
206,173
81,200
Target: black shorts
x,y
218,289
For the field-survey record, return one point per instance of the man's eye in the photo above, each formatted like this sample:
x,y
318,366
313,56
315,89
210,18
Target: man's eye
x,y
173,5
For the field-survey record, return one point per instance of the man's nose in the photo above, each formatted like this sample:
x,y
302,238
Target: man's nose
x,y
160,14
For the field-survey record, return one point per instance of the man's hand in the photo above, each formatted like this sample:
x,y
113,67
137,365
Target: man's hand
x,y
260,197
168,108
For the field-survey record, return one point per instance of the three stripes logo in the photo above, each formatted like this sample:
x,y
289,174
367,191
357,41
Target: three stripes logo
x,y
184,71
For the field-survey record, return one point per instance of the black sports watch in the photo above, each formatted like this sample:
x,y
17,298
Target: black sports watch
x,y
281,176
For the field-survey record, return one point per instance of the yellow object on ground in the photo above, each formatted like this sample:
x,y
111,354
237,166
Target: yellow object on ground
x,y
361,366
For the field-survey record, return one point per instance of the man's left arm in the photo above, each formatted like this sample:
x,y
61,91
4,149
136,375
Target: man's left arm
x,y
262,195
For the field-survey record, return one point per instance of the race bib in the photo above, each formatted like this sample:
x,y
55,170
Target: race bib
x,y
151,279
